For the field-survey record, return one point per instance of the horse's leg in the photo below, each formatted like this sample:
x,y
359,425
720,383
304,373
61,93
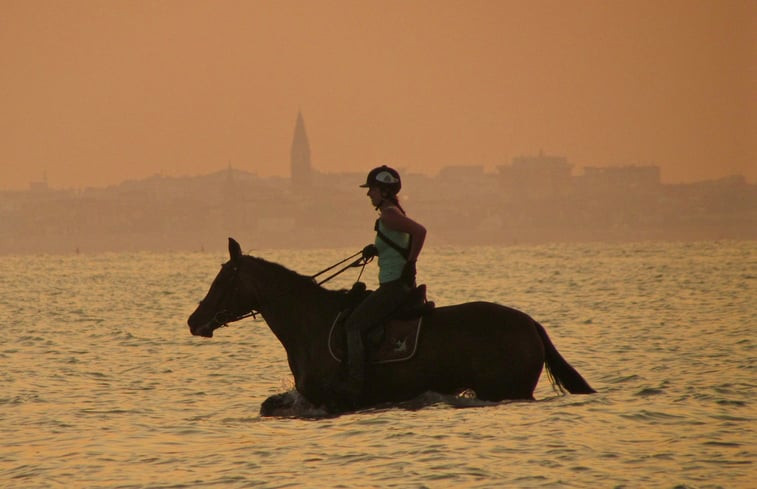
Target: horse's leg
x,y
291,403
278,404
507,381
510,373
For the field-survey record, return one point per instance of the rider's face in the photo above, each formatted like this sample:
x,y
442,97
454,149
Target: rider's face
x,y
375,194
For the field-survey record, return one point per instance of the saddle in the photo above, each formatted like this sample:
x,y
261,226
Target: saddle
x,y
394,341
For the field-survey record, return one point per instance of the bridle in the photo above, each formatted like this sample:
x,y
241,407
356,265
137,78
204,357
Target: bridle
x,y
223,317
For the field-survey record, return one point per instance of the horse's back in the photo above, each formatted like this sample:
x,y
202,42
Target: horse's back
x,y
481,326
478,314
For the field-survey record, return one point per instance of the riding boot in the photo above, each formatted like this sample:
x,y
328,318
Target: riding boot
x,y
355,365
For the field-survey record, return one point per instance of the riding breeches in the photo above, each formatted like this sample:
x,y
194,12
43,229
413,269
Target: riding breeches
x,y
377,307
373,311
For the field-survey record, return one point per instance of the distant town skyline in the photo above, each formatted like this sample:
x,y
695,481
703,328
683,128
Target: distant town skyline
x,y
532,200
300,171
93,93
44,182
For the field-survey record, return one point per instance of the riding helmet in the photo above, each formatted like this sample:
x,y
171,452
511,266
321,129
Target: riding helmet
x,y
385,178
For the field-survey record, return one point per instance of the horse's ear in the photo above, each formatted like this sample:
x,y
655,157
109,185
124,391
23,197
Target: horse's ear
x,y
235,251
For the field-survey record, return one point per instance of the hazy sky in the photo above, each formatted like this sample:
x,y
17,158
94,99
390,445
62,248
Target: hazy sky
x,y
95,92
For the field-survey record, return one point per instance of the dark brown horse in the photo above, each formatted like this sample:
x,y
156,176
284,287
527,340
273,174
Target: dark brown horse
x,y
496,351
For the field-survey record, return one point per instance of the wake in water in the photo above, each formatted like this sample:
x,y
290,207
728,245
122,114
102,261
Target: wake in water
x,y
292,404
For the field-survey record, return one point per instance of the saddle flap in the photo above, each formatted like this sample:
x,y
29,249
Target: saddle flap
x,y
399,341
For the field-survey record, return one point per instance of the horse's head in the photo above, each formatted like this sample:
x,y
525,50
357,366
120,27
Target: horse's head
x,y
226,301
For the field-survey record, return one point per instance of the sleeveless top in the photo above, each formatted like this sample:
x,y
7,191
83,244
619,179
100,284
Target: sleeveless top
x,y
390,261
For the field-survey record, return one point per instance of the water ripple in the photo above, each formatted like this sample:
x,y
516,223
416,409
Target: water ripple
x,y
102,386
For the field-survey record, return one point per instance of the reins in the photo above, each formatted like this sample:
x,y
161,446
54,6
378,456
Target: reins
x,y
360,262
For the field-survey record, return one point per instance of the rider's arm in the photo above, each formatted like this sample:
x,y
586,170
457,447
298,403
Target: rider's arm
x,y
394,219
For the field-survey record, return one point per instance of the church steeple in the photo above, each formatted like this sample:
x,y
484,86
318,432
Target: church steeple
x,y
300,155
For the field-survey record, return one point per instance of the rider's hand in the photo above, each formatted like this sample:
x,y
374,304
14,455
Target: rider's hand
x,y
408,273
370,251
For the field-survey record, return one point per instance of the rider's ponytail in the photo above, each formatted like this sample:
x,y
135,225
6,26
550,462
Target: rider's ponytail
x,y
394,200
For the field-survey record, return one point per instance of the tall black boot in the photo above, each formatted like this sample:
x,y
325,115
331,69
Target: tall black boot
x,y
355,365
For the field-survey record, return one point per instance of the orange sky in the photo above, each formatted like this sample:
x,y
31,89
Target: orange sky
x,y
95,92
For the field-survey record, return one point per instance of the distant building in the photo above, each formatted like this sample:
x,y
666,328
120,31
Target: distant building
x,y
469,182
537,177
462,172
302,173
613,178
40,186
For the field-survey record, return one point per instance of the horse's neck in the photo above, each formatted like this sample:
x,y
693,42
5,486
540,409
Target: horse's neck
x,y
296,310
297,320
302,327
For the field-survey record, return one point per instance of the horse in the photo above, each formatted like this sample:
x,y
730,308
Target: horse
x,y
496,351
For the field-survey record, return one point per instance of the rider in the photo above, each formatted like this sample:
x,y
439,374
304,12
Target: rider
x,y
398,243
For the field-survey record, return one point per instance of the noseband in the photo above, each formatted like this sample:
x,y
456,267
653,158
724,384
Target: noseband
x,y
223,317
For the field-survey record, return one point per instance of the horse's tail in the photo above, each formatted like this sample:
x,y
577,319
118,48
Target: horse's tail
x,y
563,374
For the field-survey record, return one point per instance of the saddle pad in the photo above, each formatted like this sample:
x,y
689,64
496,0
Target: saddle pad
x,y
399,343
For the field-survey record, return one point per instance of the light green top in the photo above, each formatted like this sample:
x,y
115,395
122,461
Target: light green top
x,y
391,262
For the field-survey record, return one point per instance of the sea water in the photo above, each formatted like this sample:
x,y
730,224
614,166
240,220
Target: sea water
x,y
101,384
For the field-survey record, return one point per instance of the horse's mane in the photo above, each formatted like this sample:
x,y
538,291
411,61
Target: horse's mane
x,y
293,279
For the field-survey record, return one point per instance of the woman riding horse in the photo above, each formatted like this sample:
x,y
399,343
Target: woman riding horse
x,y
398,243
494,350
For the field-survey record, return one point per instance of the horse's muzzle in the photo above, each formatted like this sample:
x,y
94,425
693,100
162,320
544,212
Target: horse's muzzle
x,y
205,329
206,332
